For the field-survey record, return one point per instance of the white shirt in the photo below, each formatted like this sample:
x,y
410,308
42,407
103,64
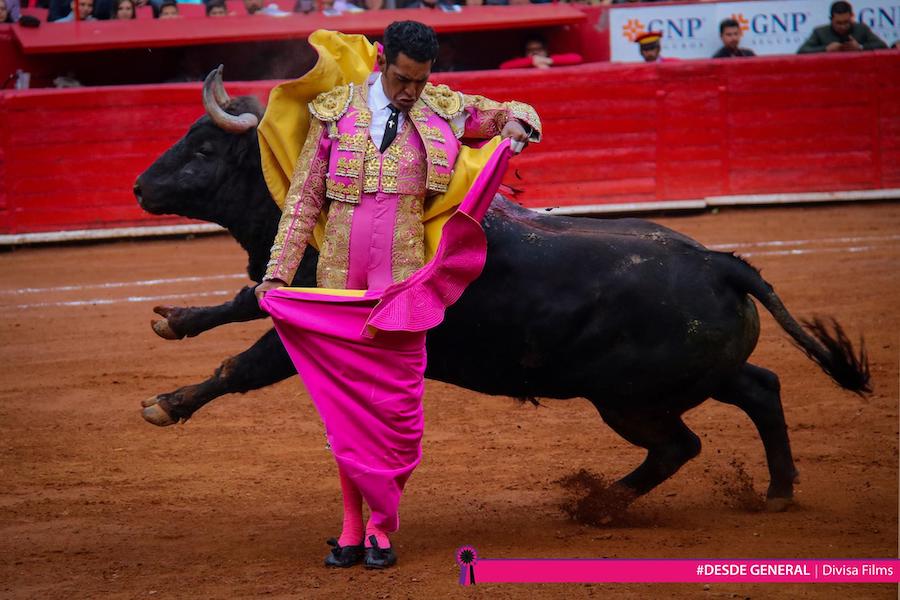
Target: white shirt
x,y
378,103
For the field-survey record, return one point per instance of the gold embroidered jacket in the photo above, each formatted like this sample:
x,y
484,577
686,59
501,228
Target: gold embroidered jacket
x,y
339,163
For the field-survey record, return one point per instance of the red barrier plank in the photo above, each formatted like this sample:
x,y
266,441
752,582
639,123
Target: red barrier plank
x,y
613,133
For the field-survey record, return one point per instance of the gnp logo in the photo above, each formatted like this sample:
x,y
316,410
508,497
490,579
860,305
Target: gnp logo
x,y
632,29
680,28
778,23
742,21
881,17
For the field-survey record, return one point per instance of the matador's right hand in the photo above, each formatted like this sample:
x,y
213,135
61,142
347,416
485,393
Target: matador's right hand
x,y
265,286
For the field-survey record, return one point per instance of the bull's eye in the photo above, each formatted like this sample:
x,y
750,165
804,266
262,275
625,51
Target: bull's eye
x,y
200,155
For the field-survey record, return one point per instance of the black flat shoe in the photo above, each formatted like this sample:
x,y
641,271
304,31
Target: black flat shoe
x,y
343,556
379,558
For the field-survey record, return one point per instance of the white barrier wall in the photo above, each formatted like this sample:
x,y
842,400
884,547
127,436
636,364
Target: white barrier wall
x,y
770,27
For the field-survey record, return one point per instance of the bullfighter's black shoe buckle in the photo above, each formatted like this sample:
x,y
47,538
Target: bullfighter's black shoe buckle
x,y
343,556
379,558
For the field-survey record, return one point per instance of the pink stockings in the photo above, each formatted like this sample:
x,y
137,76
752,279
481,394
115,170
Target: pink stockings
x,y
352,530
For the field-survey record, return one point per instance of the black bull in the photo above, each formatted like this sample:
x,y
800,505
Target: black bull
x,y
642,321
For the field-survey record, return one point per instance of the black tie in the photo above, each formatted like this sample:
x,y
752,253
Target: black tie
x,y
390,130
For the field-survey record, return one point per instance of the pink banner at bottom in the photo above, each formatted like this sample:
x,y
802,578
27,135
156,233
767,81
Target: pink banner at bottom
x,y
475,570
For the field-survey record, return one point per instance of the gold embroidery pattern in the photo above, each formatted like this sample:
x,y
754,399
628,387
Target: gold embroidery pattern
x,y
331,105
334,257
442,100
354,142
408,250
371,169
390,164
482,103
439,156
417,114
525,113
432,133
438,182
348,167
340,191
301,208
363,118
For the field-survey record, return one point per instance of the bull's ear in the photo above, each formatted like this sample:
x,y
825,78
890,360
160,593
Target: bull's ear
x,y
213,93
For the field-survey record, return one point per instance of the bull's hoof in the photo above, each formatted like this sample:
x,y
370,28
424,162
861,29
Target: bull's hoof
x,y
162,329
778,504
156,415
149,401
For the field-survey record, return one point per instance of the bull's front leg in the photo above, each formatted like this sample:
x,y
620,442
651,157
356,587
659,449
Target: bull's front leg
x,y
264,363
179,322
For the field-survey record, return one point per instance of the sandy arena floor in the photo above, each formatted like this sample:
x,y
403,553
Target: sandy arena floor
x,y
98,503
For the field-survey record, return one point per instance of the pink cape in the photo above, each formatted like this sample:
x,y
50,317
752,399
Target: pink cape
x,y
363,359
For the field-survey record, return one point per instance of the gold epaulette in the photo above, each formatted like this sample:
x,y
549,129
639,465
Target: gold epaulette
x,y
331,105
442,100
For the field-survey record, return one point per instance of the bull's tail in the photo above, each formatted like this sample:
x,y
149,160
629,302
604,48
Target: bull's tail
x,y
823,340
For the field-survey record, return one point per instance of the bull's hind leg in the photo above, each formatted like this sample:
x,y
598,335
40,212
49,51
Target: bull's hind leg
x,y
264,363
669,443
757,392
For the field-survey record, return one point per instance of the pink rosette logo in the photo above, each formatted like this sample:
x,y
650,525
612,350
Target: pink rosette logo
x,y
466,557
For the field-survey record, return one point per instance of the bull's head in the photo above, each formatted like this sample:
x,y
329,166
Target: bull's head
x,y
217,160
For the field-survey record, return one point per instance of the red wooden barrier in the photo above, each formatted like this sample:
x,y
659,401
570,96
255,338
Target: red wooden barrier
x,y
613,133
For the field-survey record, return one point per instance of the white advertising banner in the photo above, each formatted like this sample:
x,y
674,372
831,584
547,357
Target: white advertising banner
x,y
688,30
883,16
770,27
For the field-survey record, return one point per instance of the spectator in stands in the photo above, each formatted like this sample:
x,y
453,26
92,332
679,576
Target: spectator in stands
x,y
536,55
216,8
125,10
256,7
424,3
12,11
168,9
648,44
843,34
730,32
85,8
5,15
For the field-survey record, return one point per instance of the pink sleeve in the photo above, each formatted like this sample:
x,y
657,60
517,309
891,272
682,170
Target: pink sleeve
x,y
302,205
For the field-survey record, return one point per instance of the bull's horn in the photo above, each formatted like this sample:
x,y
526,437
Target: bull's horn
x,y
219,92
223,120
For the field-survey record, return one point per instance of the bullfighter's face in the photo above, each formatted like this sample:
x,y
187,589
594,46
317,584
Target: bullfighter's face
x,y
403,80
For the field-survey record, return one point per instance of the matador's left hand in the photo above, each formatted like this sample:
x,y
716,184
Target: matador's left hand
x,y
515,131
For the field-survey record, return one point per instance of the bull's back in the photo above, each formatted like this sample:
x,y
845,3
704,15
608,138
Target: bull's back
x,y
574,307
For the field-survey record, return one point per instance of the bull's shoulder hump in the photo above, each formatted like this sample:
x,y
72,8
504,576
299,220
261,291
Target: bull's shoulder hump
x,y
445,102
331,105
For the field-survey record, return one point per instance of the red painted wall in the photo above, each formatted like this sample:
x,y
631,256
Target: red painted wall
x,y
613,133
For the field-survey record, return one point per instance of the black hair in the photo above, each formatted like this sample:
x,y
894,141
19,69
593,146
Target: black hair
x,y
726,23
211,4
416,40
115,9
157,9
841,8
